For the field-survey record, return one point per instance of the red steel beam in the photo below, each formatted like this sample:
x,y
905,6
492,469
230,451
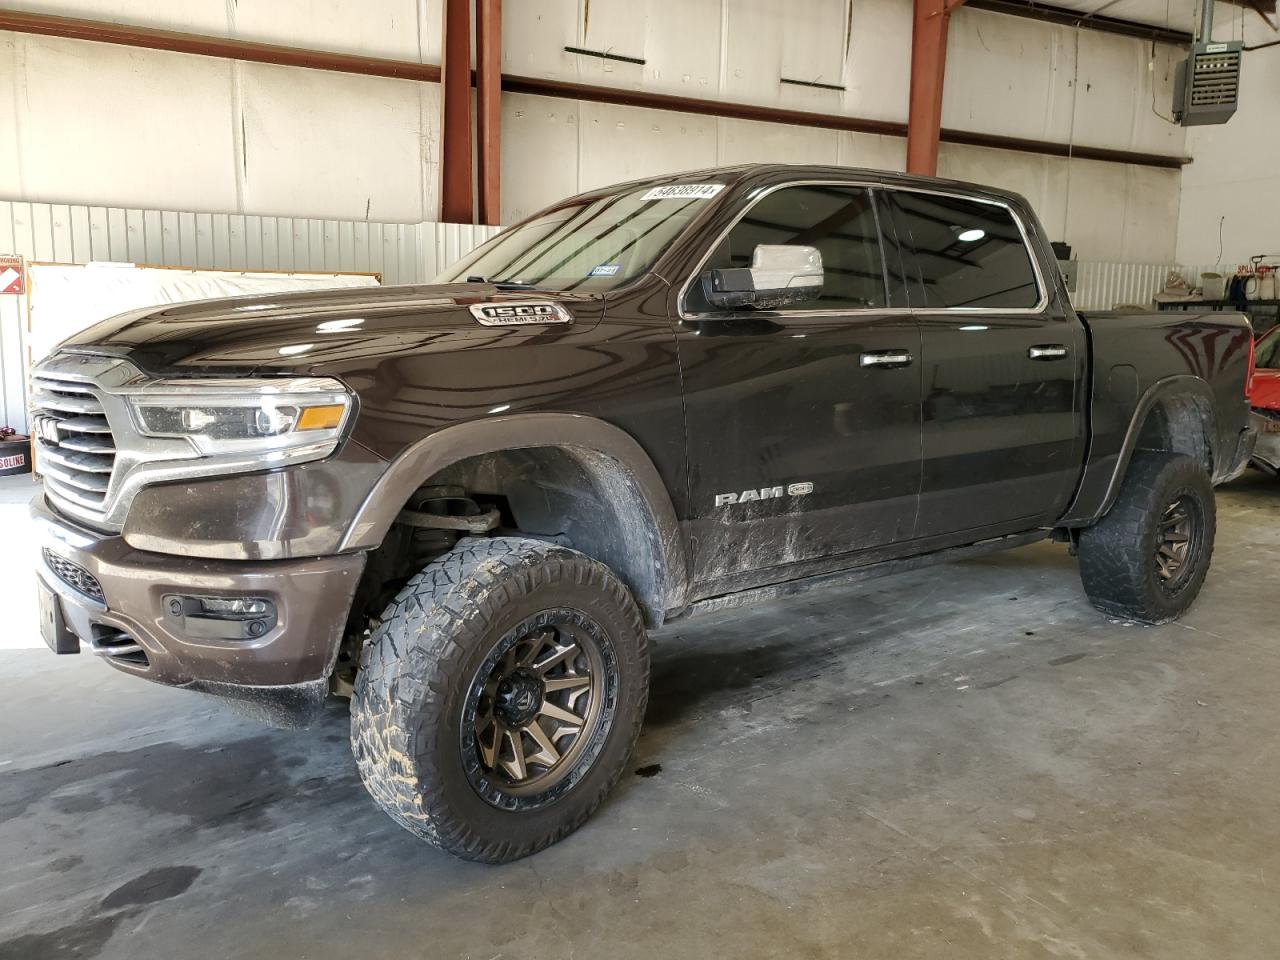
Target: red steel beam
x,y
456,155
928,69
489,109
206,46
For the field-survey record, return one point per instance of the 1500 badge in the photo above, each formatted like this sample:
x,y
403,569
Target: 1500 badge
x,y
519,314
764,493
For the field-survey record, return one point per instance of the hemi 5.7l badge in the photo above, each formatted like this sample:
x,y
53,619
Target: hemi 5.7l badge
x,y
519,314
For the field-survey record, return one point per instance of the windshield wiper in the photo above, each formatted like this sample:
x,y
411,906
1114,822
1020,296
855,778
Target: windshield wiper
x,y
505,284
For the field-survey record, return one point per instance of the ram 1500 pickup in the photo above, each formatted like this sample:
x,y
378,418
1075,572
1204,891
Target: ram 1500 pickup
x,y
465,505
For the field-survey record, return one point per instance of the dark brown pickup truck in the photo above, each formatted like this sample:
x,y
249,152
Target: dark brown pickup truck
x,y
464,505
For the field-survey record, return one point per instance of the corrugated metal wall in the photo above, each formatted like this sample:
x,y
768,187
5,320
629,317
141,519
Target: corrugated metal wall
x,y
60,233
1102,286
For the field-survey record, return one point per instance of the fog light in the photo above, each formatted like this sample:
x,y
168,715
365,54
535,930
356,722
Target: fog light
x,y
229,608
220,618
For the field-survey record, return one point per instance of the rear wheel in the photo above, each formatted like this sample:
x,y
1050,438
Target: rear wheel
x,y
500,696
1147,558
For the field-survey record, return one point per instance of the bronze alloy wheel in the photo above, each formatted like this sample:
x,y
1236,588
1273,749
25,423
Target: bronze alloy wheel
x,y
1177,542
538,709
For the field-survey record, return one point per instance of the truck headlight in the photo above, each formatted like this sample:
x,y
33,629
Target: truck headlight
x,y
296,419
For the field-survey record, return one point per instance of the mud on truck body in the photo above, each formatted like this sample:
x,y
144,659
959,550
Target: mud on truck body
x,y
465,505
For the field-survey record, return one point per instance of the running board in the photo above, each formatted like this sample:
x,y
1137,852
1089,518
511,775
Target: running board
x,y
870,571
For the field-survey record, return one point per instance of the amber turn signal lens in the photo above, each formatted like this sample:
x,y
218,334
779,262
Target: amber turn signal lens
x,y
321,418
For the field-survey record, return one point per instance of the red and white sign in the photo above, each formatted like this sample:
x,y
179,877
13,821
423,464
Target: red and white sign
x,y
11,275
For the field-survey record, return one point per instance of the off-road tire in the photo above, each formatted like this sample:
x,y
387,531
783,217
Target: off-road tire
x,y
1118,555
418,665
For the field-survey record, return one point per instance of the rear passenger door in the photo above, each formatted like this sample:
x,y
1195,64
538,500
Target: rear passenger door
x,y
804,421
1002,367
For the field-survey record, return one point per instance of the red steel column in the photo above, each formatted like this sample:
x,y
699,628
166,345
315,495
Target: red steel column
x,y
928,68
456,197
489,108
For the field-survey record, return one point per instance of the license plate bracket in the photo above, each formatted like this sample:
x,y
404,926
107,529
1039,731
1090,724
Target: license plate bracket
x,y
53,625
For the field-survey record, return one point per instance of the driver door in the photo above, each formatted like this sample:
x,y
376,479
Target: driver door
x,y
803,422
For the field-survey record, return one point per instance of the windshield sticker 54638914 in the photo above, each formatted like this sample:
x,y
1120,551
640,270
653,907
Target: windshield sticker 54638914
x,y
684,191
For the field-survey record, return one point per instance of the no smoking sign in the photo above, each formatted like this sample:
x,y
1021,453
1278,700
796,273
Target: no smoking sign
x,y
11,275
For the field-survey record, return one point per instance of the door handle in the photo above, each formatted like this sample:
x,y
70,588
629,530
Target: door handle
x,y
1047,351
885,358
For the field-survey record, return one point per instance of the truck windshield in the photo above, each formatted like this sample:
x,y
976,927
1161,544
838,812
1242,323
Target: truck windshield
x,y
589,246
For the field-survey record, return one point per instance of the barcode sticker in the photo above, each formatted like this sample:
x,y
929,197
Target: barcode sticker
x,y
684,191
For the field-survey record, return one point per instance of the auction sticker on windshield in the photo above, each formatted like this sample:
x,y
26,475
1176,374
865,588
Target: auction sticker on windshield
x,y
684,191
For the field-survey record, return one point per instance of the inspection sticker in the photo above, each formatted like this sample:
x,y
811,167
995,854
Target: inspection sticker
x,y
606,270
684,191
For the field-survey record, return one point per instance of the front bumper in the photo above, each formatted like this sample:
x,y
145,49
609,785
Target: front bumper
x,y
294,657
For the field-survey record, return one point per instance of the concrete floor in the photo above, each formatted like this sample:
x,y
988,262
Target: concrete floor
x,y
966,761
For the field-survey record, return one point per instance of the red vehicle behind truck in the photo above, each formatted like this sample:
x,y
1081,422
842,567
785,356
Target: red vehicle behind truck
x,y
1264,400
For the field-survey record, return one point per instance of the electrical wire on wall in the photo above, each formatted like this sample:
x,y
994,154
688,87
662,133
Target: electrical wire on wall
x,y
1151,68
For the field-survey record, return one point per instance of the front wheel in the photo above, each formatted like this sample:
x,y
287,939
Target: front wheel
x,y
1147,558
500,697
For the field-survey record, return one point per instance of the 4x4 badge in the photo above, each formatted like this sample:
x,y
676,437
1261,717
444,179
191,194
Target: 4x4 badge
x,y
519,314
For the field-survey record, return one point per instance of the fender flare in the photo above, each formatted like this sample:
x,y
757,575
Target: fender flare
x,y
577,434
1179,385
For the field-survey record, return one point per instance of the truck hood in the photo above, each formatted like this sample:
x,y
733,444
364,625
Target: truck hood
x,y
297,331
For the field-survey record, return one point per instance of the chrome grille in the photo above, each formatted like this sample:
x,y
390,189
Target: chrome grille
x,y
75,450
74,576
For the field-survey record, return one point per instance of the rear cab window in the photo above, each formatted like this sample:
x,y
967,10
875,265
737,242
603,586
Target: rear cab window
x,y
969,254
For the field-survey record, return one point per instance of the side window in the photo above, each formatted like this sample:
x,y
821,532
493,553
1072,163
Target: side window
x,y
839,221
970,254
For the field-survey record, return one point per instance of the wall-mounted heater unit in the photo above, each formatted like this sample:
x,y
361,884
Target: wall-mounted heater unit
x,y
1207,84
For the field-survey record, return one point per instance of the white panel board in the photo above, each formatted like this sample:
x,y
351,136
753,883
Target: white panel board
x,y
135,127
338,146
623,143
746,141
1006,75
12,82
192,16
879,41
872,151
534,36
540,154
752,52
682,52
378,28
382,28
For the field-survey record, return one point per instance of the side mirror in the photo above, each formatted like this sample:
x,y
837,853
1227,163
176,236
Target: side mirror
x,y
779,274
